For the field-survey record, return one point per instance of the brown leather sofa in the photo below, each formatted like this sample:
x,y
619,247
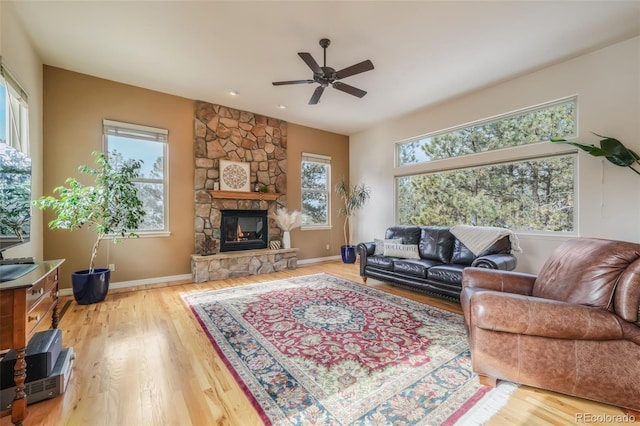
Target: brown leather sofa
x,y
574,329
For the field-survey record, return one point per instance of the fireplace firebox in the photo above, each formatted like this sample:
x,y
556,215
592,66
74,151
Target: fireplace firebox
x,y
243,230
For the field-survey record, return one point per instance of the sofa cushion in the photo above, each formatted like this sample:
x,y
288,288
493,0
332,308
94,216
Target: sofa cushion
x,y
380,262
417,268
451,274
380,245
406,251
409,234
461,254
502,246
436,243
601,263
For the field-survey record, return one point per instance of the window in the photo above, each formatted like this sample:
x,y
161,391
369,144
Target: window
x,y
316,190
148,144
522,187
15,163
14,113
533,195
531,126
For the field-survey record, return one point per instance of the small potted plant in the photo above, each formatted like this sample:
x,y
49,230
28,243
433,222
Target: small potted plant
x,y
110,207
354,197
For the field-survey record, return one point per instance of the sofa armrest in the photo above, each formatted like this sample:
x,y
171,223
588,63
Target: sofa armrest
x,y
506,262
518,314
368,247
364,250
498,280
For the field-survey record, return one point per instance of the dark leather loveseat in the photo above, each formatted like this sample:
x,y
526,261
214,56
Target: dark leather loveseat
x,y
442,258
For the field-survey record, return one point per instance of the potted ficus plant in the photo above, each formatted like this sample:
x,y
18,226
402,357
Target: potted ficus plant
x,y
353,197
610,148
110,207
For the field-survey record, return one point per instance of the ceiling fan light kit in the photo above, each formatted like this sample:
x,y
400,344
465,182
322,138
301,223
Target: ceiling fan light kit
x,y
326,76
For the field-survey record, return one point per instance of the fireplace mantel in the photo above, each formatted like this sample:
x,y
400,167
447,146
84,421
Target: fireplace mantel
x,y
243,195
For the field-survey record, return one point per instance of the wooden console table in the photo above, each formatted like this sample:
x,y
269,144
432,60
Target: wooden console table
x,y
25,303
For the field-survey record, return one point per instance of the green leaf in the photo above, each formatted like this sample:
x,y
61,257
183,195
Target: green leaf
x,y
617,153
591,149
610,148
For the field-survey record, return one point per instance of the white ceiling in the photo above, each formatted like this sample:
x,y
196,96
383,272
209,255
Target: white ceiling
x,y
424,52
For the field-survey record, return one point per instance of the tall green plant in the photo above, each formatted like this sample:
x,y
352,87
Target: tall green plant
x,y
110,207
353,197
610,148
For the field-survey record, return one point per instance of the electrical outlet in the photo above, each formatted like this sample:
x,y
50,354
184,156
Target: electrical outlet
x,y
112,266
328,247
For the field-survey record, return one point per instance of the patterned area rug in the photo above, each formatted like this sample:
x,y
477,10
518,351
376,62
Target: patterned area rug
x,y
321,350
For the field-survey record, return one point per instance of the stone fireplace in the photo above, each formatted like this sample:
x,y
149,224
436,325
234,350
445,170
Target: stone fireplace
x,y
223,133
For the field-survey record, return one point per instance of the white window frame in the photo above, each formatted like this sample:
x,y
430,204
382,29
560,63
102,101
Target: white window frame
x,y
17,108
145,133
326,161
531,151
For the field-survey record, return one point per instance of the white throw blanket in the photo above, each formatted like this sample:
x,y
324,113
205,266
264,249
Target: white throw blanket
x,y
479,238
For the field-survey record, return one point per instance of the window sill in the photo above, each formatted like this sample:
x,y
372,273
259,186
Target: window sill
x,y
141,234
315,228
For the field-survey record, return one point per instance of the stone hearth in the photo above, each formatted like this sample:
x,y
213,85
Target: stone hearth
x,y
241,263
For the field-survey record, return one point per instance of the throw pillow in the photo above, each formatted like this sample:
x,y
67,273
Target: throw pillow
x,y
405,251
380,245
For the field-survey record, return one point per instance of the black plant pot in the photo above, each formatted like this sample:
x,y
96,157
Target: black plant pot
x,y
90,288
349,254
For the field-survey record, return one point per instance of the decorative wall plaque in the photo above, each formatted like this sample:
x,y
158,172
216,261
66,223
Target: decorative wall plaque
x,y
235,176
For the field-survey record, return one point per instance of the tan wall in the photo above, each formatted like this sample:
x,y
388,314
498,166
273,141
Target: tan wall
x,y
313,244
74,107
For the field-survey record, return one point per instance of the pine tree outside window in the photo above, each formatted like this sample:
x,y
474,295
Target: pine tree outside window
x,y
316,191
498,172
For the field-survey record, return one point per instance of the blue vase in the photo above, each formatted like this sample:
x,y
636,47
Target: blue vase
x,y
349,254
90,288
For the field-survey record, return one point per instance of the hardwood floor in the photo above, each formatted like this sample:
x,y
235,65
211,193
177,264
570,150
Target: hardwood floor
x,y
142,359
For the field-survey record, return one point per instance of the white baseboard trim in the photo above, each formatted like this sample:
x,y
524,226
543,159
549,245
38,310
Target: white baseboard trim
x,y
136,283
158,280
317,259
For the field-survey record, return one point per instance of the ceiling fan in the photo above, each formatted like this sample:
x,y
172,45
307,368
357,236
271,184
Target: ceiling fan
x,y
328,76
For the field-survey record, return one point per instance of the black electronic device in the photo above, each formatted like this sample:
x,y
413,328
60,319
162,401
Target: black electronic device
x,y
13,271
41,355
17,261
46,388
